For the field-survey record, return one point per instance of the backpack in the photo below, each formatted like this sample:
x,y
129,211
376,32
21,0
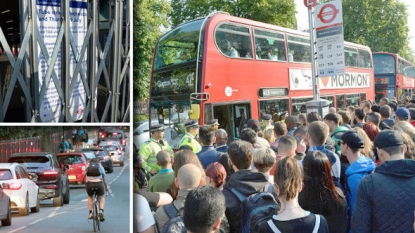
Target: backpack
x,y
175,223
93,169
256,209
276,230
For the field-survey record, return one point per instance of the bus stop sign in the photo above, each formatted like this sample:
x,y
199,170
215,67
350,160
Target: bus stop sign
x,y
310,3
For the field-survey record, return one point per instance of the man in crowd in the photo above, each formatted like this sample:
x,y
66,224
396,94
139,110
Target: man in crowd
x,y
221,140
336,131
162,180
351,142
204,210
192,130
243,180
385,198
208,154
214,124
254,125
385,117
152,146
189,177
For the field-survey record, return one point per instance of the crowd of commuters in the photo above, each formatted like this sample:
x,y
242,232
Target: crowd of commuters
x,y
352,170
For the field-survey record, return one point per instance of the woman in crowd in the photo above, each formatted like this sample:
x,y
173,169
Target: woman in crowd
x,y
367,149
320,195
288,183
406,127
215,175
269,135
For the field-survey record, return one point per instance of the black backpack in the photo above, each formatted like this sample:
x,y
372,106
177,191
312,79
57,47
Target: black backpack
x,y
175,223
93,169
256,209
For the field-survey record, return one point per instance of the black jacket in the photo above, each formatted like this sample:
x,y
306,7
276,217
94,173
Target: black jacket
x,y
385,199
247,183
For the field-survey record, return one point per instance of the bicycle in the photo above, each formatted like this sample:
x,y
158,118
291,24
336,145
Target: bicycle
x,y
95,210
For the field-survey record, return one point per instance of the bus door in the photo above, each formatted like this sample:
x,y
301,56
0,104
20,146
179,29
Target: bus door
x,y
232,117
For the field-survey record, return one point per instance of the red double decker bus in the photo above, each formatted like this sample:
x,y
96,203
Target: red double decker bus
x,y
394,76
234,69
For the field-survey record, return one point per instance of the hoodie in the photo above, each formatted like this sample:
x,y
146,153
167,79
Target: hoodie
x,y
246,182
354,173
386,197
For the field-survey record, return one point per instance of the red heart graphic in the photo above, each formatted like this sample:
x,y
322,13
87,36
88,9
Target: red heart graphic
x,y
325,80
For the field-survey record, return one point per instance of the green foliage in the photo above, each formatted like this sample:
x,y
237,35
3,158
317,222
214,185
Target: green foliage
x,y
8,133
148,19
277,12
382,25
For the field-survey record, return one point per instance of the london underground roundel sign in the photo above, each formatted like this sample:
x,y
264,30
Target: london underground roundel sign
x,y
328,13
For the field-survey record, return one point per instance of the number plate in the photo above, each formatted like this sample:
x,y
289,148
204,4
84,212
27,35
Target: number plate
x,y
72,177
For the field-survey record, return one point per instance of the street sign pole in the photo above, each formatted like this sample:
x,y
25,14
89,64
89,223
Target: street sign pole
x,y
316,91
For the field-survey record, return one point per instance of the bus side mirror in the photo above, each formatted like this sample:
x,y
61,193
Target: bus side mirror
x,y
194,112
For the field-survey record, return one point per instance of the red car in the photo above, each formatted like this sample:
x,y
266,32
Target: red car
x,y
75,163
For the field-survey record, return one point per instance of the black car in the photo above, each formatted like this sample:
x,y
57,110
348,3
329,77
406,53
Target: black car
x,y
103,155
5,208
117,133
47,173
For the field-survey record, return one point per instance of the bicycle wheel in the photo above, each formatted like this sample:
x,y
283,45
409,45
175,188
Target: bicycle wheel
x,y
95,217
98,219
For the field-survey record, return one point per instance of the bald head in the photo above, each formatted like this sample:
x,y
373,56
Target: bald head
x,y
189,176
221,137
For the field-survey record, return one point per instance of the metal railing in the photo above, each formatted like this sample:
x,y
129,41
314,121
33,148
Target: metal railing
x,y
68,81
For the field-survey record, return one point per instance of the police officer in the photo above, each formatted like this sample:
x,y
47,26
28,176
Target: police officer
x,y
266,122
192,130
214,124
151,147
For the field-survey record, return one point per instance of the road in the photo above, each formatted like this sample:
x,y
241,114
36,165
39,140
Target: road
x,y
73,216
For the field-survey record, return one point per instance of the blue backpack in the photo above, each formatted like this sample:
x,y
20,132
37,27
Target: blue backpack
x,y
256,209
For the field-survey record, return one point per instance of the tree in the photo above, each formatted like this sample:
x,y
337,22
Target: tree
x,y
277,12
148,19
382,25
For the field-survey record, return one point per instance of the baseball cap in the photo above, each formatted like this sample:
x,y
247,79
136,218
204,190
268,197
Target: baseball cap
x,y
388,138
353,139
403,113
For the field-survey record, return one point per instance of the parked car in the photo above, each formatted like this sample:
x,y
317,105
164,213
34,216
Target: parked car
x,y
116,151
118,133
47,174
5,207
19,186
103,155
75,164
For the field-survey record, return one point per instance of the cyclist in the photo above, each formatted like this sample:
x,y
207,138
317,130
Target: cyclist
x,y
95,178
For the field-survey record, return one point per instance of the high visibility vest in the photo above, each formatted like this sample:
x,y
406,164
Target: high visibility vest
x,y
149,150
190,140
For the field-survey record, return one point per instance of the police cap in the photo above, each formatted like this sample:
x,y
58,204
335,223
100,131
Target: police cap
x,y
212,122
191,123
266,117
158,127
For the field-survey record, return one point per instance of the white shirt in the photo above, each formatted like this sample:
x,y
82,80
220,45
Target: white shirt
x,y
143,218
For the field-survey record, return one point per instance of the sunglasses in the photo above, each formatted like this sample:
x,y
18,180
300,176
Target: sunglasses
x,y
340,143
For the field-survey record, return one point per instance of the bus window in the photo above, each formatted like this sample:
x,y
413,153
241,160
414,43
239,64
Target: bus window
x,y
365,59
340,101
299,105
273,107
350,56
384,64
298,49
352,100
233,40
362,96
269,45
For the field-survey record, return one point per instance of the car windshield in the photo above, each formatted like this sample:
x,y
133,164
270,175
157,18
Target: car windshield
x,y
99,153
110,147
89,155
5,174
32,161
70,159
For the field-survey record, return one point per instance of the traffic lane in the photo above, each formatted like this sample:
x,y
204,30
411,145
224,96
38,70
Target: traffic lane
x,y
73,216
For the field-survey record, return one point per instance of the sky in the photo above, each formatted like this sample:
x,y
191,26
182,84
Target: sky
x,y
302,18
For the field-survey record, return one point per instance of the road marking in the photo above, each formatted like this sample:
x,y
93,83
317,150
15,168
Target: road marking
x,y
53,214
34,222
18,229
